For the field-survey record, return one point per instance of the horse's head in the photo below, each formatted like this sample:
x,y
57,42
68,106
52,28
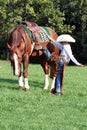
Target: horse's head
x,y
15,56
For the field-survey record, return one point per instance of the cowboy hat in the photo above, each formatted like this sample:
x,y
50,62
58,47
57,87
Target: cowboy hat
x,y
65,38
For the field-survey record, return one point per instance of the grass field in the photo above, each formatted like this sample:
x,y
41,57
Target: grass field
x,y
38,109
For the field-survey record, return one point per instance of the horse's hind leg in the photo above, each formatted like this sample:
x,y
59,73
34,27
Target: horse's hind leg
x,y
45,67
52,90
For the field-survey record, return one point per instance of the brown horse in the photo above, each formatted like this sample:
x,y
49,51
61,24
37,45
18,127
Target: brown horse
x,y
21,45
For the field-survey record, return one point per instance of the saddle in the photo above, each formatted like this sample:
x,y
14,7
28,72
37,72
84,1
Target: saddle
x,y
38,33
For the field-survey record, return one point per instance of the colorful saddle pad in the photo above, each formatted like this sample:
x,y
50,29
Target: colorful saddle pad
x,y
35,32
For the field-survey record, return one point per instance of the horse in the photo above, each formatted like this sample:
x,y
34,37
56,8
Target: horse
x,y
22,44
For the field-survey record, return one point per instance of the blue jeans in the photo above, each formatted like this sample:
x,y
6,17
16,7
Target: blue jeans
x,y
47,53
58,83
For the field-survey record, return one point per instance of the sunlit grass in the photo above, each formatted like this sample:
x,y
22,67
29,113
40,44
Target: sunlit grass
x,y
38,109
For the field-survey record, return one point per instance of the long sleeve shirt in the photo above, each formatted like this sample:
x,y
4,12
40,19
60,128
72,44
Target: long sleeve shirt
x,y
66,52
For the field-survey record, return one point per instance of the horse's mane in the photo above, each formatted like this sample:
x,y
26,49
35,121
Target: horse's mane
x,y
15,37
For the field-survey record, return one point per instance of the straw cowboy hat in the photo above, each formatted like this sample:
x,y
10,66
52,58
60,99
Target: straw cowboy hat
x,y
65,38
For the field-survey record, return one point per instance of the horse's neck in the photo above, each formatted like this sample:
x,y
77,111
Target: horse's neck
x,y
14,38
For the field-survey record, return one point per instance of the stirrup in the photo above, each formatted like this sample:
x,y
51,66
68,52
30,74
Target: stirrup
x,y
38,48
41,48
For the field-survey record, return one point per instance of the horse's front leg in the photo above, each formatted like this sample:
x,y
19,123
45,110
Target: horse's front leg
x,y
25,72
20,81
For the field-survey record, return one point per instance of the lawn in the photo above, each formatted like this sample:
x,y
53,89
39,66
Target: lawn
x,y
38,109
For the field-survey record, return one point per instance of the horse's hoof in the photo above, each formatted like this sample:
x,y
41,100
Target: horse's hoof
x,y
52,91
20,87
26,89
46,89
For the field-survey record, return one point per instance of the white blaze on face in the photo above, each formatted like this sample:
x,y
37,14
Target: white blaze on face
x,y
16,65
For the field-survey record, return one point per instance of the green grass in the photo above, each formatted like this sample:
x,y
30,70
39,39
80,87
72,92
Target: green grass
x,y
39,110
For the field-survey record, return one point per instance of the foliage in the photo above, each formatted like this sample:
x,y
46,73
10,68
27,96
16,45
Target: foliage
x,y
64,16
38,109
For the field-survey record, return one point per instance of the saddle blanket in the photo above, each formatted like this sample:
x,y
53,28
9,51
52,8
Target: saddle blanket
x,y
35,32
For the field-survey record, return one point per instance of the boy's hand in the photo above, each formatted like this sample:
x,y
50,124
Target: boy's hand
x,y
50,38
81,65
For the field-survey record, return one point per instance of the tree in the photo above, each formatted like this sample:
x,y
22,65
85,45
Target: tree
x,y
76,15
64,16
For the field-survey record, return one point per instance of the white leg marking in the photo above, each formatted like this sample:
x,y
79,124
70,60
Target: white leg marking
x,y
46,81
53,83
26,83
20,81
16,65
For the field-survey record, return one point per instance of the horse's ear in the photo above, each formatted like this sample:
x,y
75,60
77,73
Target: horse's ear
x,y
8,46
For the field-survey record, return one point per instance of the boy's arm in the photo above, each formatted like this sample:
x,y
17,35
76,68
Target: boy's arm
x,y
59,45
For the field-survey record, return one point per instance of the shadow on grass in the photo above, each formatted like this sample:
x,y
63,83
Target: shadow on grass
x,y
8,81
13,84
